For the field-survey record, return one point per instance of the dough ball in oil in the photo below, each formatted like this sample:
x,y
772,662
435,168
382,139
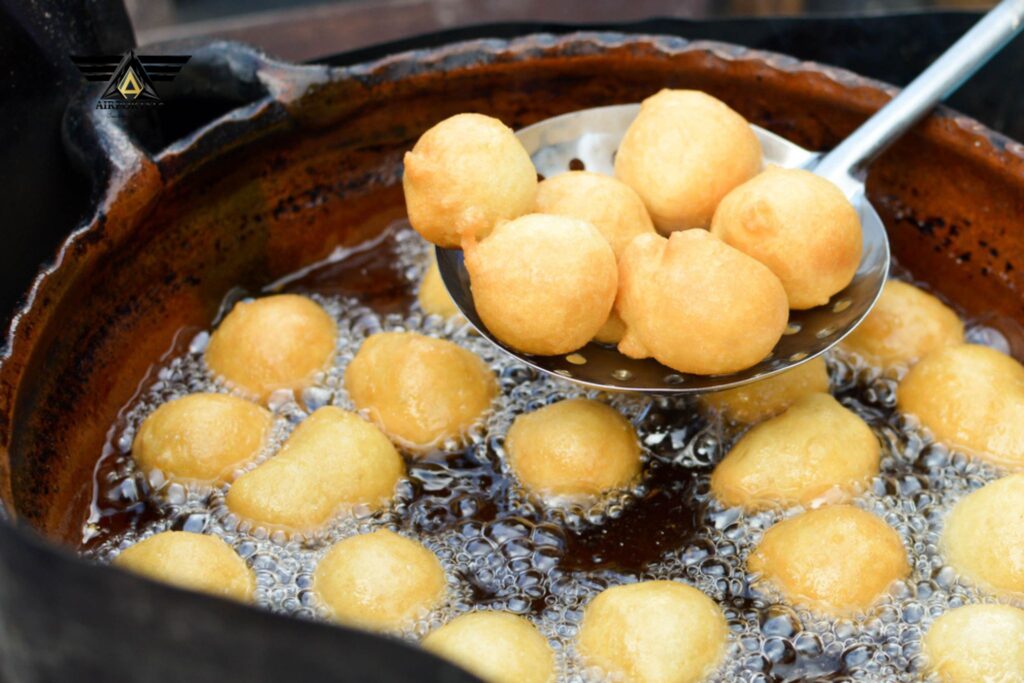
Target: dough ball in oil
x,y
815,451
698,305
433,295
576,448
334,460
379,581
653,632
543,284
277,342
683,153
971,398
767,397
420,390
977,644
836,560
192,561
798,224
608,204
905,325
497,647
201,438
983,537
464,175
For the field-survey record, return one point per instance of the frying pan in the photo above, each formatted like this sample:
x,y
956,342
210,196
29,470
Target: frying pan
x,y
310,162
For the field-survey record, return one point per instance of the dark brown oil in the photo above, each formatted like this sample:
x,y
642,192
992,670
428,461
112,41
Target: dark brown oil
x,y
504,550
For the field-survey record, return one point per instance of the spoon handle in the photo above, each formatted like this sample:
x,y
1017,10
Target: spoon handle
x,y
940,79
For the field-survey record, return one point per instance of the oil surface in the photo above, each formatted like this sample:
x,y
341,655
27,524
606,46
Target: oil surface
x,y
503,550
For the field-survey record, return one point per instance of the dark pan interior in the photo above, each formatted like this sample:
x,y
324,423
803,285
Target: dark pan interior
x,y
316,164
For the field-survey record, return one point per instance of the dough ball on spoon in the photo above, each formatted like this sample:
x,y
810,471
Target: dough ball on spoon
x,y
698,305
798,224
609,205
543,284
465,174
684,152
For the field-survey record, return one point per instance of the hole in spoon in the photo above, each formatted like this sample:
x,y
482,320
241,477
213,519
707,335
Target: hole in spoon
x,y
576,359
622,374
577,165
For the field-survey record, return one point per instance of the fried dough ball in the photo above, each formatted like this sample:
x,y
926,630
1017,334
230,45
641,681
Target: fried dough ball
x,y
465,174
683,153
379,581
906,324
653,632
277,342
201,438
497,647
192,561
543,284
817,450
971,397
420,390
612,330
983,538
836,560
768,397
697,305
798,224
609,205
977,643
433,295
573,448
332,461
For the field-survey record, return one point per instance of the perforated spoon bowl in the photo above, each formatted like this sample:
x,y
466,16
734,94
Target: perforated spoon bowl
x,y
591,137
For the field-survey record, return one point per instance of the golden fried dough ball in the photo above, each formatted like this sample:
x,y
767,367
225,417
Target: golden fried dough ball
x,y
543,284
379,581
817,450
609,205
653,632
972,398
697,305
192,561
612,330
977,643
433,295
497,647
983,538
798,224
767,397
201,438
573,448
277,342
333,460
905,325
836,560
420,390
464,175
683,153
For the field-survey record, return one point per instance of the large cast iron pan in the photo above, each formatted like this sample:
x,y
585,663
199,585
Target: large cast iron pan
x,y
314,162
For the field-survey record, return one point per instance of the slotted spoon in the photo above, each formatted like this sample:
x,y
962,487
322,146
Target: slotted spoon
x,y
591,137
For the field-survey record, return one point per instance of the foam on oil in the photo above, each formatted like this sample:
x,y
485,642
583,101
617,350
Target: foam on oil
x,y
503,550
